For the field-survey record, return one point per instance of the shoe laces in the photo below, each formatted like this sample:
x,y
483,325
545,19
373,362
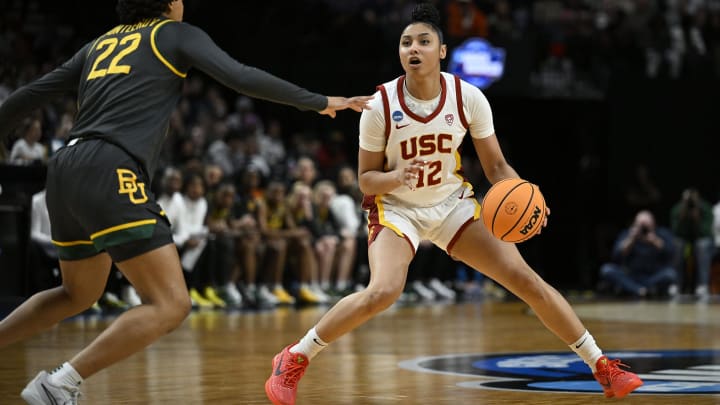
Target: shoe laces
x,y
292,373
74,393
613,368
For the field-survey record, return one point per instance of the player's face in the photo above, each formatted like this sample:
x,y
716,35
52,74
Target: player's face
x,y
177,9
420,49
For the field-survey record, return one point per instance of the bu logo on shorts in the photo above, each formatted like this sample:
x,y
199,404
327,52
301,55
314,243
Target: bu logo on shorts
x,y
130,186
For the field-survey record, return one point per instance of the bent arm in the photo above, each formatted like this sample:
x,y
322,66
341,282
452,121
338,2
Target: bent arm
x,y
372,177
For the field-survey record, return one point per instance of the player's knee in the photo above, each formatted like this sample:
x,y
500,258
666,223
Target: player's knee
x,y
536,291
83,298
175,311
380,299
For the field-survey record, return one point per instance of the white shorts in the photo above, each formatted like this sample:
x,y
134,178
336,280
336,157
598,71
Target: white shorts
x,y
441,224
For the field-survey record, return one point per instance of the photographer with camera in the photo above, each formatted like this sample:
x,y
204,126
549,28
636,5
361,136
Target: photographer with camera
x,y
691,220
642,260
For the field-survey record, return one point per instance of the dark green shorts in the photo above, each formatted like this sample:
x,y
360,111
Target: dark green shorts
x,y
99,199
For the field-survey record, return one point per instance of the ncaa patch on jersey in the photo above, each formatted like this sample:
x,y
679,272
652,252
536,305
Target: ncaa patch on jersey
x,y
397,116
663,371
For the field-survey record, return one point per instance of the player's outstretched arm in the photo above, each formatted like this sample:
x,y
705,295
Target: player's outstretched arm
x,y
336,104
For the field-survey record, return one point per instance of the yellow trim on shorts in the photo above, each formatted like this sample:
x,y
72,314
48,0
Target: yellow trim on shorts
x,y
159,55
123,226
381,217
71,243
478,208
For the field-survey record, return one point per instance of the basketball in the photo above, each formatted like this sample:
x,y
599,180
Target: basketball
x,y
513,210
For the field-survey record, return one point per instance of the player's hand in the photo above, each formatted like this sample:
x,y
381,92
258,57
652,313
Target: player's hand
x,y
545,220
409,175
335,104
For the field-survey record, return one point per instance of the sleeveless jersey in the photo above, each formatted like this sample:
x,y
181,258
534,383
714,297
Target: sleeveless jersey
x,y
435,138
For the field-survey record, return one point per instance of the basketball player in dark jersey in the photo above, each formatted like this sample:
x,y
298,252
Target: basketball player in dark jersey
x,y
98,187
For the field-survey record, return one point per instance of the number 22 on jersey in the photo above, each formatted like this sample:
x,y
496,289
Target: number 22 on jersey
x,y
107,47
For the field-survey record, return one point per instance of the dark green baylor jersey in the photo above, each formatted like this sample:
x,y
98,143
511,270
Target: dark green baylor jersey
x,y
130,79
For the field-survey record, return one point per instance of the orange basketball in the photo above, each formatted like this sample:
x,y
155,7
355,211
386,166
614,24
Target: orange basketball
x,y
513,210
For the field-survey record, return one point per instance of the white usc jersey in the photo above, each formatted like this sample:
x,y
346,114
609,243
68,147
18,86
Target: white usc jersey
x,y
406,128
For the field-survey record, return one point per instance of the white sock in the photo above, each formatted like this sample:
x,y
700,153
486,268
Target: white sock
x,y
310,345
65,375
587,349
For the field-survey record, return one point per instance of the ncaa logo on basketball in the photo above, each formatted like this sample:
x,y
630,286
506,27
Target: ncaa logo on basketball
x,y
663,371
397,116
533,220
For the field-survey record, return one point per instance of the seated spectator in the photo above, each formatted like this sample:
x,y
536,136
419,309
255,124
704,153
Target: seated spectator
x,y
347,210
28,150
313,254
691,220
218,258
280,232
643,257
190,234
243,222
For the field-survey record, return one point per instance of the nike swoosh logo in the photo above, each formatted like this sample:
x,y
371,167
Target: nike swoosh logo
x,y
398,126
581,343
278,371
462,193
49,394
318,343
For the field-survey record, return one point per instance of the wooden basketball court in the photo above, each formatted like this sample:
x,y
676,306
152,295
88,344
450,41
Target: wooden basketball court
x,y
220,357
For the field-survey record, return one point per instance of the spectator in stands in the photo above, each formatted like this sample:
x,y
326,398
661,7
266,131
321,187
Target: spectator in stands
x,y
247,245
27,149
170,195
305,171
278,229
347,210
691,220
328,236
313,253
642,260
190,235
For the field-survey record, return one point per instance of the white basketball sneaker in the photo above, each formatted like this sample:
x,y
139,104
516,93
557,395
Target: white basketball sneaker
x,y
40,392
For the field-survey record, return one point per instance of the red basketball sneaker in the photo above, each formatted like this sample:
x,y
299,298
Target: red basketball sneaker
x,y
615,382
288,368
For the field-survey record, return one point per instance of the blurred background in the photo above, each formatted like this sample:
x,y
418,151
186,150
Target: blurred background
x,y
610,106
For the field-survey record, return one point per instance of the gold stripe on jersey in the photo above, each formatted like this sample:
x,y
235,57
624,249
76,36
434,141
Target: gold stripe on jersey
x,y
157,53
123,226
381,217
71,243
458,167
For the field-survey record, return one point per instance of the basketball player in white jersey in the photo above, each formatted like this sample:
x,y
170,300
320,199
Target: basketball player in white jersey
x,y
409,172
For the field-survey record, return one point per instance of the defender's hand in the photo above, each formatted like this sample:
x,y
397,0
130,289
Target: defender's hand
x,y
335,104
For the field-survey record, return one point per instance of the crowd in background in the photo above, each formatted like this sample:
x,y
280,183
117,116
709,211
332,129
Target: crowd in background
x,y
267,215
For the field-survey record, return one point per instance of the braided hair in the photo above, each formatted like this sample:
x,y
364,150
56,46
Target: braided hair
x,y
134,11
426,13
